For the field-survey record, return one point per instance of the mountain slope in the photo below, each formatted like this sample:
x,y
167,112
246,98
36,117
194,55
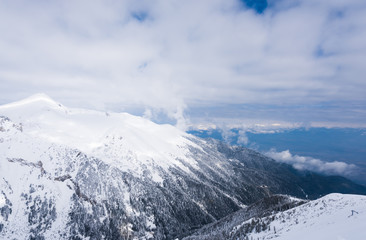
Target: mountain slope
x,y
74,173
227,227
335,216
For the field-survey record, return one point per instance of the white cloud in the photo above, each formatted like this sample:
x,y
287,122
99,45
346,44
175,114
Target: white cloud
x,y
227,134
184,54
313,164
148,114
242,138
246,125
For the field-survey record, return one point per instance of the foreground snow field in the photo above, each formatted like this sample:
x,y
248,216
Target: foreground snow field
x,y
333,217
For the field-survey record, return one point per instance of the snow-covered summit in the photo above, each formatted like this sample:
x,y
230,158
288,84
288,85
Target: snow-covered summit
x,y
39,97
118,138
34,102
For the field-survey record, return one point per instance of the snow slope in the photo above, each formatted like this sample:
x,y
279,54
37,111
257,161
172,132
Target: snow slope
x,y
332,217
335,216
56,160
118,138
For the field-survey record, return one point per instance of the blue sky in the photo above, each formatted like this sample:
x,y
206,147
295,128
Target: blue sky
x,y
298,62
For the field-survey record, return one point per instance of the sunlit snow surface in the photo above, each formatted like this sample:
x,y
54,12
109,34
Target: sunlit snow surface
x,y
118,138
66,172
41,142
333,217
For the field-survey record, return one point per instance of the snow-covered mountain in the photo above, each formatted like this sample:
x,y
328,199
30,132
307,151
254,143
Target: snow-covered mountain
x,y
334,216
82,174
119,139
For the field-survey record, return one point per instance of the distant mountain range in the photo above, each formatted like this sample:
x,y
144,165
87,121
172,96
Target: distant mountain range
x,y
81,174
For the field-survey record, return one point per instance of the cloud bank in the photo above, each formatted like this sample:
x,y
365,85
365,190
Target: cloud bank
x,y
171,56
313,164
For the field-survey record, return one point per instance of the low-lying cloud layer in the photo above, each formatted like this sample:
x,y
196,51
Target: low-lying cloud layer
x,y
170,56
313,164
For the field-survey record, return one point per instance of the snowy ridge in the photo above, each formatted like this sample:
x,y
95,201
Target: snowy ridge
x,y
335,216
117,138
32,100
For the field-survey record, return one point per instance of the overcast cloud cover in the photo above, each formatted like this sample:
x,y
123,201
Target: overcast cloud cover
x,y
298,61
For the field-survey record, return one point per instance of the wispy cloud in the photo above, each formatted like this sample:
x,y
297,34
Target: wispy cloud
x,y
313,164
169,56
242,138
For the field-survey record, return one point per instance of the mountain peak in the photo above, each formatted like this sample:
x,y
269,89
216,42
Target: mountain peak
x,y
36,98
111,137
33,108
40,97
